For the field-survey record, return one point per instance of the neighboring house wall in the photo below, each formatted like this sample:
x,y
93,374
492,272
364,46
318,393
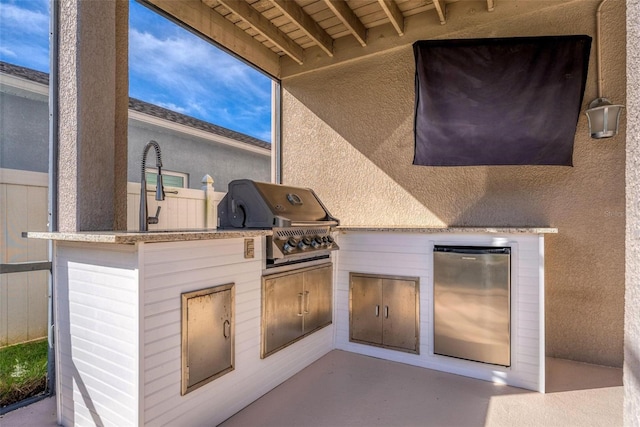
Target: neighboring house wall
x,y
188,145
194,155
357,119
24,127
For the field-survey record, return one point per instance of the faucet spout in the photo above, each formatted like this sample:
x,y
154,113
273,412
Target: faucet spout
x,y
145,220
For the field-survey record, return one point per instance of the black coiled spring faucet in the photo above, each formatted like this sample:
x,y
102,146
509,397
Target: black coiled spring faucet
x,y
145,220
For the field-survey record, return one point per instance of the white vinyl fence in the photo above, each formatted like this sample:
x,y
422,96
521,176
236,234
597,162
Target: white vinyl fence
x,y
23,207
23,296
182,208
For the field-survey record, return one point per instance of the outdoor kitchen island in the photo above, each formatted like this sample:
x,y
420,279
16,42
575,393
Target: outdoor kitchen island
x,y
117,302
407,252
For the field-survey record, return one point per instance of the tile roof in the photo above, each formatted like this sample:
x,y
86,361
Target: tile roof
x,y
25,73
146,108
163,113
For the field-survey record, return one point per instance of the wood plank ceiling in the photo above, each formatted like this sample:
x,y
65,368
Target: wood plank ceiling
x,y
289,27
285,38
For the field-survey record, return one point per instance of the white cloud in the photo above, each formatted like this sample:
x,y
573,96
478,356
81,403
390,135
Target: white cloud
x,y
264,135
192,65
184,73
24,33
198,108
28,21
26,54
171,62
170,106
5,51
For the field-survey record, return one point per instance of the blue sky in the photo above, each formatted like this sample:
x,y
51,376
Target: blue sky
x,y
168,66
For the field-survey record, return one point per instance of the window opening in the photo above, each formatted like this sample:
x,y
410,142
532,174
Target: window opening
x,y
169,178
213,112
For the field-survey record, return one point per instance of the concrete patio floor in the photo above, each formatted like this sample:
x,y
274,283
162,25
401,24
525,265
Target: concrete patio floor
x,y
347,389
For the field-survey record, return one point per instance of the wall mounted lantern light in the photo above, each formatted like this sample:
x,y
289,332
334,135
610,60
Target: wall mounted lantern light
x,y
603,116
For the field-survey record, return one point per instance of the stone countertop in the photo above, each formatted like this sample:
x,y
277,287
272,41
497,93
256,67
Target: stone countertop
x,y
448,230
132,237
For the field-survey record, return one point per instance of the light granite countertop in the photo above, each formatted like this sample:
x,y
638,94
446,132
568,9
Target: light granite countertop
x,y
132,237
448,230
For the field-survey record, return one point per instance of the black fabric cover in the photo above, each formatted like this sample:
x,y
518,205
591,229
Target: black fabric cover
x,y
501,101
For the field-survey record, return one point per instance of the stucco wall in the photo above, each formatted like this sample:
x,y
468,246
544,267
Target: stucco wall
x,y
632,307
92,87
348,133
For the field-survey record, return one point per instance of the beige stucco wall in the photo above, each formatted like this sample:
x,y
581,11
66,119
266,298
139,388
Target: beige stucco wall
x,y
632,303
348,133
93,97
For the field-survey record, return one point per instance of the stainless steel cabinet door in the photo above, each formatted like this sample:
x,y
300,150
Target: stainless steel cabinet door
x,y
366,314
399,327
207,335
384,311
283,301
294,304
317,298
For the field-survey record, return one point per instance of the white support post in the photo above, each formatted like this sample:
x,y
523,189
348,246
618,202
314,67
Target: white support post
x,y
210,206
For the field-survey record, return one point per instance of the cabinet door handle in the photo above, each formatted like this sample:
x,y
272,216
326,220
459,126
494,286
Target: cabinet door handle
x,y
300,304
386,311
306,302
377,311
226,329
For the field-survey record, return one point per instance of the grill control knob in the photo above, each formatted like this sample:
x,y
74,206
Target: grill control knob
x,y
329,241
304,243
289,245
316,242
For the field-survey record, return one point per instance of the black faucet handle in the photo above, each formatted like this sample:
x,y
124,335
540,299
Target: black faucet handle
x,y
154,219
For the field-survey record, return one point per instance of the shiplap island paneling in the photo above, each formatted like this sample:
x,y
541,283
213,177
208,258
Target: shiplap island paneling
x,y
410,253
118,333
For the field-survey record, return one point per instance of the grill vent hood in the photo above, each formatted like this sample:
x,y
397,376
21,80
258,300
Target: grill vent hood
x,y
251,204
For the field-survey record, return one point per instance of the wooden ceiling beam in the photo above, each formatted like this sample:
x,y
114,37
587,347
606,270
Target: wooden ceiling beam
x,y
342,10
395,15
262,25
491,5
440,7
307,25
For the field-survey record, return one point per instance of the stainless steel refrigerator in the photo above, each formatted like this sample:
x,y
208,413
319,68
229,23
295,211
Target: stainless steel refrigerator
x,y
472,300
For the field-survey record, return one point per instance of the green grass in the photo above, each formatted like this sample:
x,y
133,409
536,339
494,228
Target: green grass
x,y
23,371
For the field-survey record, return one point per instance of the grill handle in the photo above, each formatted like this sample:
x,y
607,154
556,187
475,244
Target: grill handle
x,y
314,223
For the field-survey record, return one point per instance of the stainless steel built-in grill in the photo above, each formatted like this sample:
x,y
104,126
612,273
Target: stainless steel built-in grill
x,y
297,281
301,224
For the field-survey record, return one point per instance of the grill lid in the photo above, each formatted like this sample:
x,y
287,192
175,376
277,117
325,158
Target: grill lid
x,y
251,204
